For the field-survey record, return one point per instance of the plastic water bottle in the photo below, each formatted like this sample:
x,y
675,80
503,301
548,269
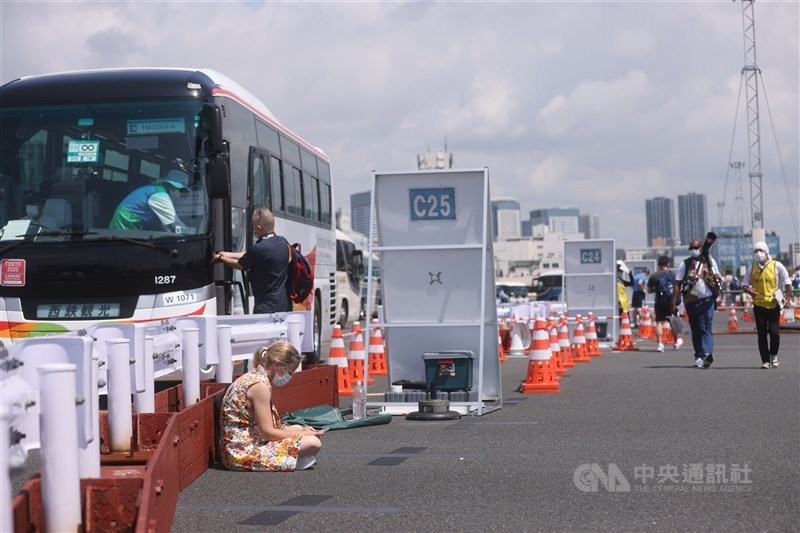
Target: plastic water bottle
x,y
359,401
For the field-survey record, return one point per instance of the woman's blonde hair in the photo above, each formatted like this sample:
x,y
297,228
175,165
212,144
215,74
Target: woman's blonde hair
x,y
280,352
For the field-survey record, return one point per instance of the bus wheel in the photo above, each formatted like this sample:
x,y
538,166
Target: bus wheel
x,y
343,314
313,358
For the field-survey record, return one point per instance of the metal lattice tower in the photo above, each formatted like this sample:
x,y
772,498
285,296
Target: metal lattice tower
x,y
751,73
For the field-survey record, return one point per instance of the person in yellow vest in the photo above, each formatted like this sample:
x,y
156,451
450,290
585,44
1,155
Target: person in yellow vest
x,y
624,279
764,279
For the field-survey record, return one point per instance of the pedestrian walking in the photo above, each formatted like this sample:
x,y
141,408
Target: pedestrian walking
x,y
767,281
698,281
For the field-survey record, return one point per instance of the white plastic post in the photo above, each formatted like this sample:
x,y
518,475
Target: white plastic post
x,y
294,332
6,520
191,366
89,456
58,423
145,402
120,424
225,355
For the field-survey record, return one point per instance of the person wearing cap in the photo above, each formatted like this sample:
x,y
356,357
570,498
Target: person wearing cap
x,y
624,279
696,272
34,211
764,279
151,207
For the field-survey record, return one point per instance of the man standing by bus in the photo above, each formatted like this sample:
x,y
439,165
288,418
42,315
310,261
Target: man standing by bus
x,y
266,263
763,281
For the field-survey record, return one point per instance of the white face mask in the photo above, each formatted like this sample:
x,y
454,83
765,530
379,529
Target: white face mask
x,y
760,256
280,381
32,211
695,253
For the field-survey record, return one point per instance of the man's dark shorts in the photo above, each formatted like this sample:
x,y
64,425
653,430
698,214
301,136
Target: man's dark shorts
x,y
638,299
662,312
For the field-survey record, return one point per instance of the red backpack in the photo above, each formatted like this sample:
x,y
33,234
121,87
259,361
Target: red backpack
x,y
300,278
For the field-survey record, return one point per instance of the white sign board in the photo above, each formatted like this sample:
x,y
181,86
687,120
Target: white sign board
x,y
590,281
437,273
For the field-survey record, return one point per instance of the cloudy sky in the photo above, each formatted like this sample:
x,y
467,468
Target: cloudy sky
x,y
595,105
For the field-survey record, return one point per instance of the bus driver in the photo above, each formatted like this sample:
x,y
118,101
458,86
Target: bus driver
x,y
151,207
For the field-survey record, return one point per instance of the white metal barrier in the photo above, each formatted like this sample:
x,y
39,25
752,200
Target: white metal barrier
x,y
50,388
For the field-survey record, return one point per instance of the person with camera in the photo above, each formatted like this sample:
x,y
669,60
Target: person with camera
x,y
763,281
699,282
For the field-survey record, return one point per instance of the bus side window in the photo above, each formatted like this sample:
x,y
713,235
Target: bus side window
x,y
325,202
293,190
261,189
278,203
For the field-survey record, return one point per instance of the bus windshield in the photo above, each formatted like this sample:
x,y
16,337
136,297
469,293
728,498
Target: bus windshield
x,y
72,170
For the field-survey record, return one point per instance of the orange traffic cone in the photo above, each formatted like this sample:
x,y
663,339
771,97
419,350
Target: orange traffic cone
x,y
646,325
541,375
377,353
357,360
338,357
580,353
667,337
733,322
592,343
747,317
356,328
563,343
500,351
625,341
558,357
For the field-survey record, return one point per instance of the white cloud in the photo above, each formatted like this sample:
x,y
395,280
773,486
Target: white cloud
x,y
594,105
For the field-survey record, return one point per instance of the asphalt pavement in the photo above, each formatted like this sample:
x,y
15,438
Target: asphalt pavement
x,y
635,441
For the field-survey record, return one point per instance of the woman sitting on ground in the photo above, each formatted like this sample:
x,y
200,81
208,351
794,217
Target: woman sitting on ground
x,y
253,437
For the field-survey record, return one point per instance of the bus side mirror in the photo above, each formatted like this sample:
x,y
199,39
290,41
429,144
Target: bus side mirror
x,y
218,177
217,172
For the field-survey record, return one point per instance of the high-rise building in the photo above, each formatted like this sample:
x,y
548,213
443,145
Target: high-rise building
x,y
692,219
359,212
542,216
505,219
659,220
589,225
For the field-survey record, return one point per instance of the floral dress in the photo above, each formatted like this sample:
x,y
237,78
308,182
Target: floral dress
x,y
243,447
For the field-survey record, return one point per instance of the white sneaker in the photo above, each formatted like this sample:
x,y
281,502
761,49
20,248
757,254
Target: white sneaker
x,y
678,343
698,363
775,360
764,365
660,347
306,461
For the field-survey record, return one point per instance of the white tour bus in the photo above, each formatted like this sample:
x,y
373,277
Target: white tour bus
x,y
74,145
349,276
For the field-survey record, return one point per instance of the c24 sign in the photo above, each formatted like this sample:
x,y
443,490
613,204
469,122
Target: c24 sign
x,y
591,256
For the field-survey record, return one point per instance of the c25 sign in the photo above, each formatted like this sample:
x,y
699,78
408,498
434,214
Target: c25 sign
x,y
433,203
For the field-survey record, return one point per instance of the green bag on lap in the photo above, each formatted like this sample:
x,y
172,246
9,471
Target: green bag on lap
x,y
327,416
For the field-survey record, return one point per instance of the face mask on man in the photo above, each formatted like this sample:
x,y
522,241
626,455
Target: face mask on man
x,y
760,256
32,211
695,252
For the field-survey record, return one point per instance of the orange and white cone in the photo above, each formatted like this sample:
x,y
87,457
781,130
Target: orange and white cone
x,y
338,357
667,337
377,355
555,348
501,353
625,341
357,360
592,343
541,376
563,343
733,322
580,353
646,325
747,317
356,329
